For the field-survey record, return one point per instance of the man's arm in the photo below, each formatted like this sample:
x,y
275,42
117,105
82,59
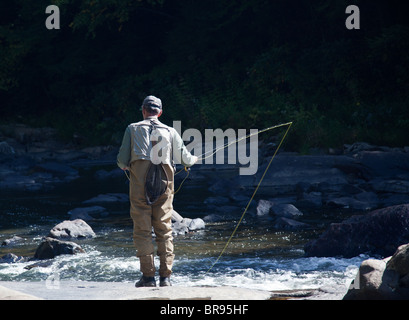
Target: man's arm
x,y
124,155
181,153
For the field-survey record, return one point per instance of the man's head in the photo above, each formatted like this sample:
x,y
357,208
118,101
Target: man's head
x,y
152,106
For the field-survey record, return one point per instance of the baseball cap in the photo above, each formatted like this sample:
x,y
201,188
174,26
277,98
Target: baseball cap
x,y
153,102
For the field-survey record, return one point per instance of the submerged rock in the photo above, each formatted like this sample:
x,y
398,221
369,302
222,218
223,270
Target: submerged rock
x,y
88,213
108,198
290,224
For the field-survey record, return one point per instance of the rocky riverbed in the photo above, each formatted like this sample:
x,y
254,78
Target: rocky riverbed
x,y
299,194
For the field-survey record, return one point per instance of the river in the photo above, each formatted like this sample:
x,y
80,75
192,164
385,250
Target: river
x,y
259,256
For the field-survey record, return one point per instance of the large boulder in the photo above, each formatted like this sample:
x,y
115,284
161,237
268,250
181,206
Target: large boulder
x,y
378,232
50,248
382,279
72,229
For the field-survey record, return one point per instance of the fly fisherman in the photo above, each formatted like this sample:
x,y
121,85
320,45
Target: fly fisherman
x,y
147,151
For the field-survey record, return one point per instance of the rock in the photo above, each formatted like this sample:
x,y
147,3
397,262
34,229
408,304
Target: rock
x,y
371,282
358,147
72,229
400,261
11,258
176,216
12,241
51,248
378,232
57,168
384,164
310,200
187,225
211,218
385,279
323,173
390,185
350,203
290,224
108,198
181,227
263,207
196,224
87,214
286,211
6,149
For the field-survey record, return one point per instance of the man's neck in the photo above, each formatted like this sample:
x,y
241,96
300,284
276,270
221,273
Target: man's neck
x,y
151,118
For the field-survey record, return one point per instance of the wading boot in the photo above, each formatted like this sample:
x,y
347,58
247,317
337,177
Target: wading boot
x,y
165,282
146,282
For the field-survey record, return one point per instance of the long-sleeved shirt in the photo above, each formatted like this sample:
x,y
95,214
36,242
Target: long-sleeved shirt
x,y
152,140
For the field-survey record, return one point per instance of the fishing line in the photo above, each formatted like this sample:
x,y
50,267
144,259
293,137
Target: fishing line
x,y
213,152
289,124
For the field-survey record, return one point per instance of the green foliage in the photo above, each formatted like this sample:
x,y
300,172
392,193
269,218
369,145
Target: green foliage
x,y
224,63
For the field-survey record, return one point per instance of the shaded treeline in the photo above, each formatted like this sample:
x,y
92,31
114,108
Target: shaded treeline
x,y
224,63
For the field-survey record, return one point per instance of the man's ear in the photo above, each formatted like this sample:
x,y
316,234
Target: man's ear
x,y
160,113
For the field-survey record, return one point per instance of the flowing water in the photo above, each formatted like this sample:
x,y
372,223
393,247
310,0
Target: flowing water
x,y
259,257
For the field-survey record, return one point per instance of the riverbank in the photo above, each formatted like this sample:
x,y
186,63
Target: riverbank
x,y
79,290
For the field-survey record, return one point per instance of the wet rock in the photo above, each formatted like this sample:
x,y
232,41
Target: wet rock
x,y
263,207
88,213
12,258
176,216
72,229
211,218
187,225
12,241
51,248
181,227
196,224
378,232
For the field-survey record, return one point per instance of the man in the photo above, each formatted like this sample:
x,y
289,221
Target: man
x,y
147,151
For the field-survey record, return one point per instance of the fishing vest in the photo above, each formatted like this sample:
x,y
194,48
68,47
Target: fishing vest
x,y
156,179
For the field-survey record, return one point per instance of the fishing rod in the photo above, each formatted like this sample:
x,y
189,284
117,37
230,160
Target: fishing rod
x,y
213,152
